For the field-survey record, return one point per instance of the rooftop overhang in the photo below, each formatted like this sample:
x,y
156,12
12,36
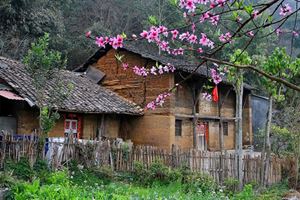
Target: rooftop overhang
x,y
10,95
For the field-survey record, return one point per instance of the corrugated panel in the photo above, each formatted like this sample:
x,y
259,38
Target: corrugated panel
x,y
10,95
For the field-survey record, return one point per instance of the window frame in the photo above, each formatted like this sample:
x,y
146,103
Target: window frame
x,y
178,130
225,131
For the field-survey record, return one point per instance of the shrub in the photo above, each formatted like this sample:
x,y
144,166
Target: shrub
x,y
157,173
231,185
21,169
195,182
41,170
105,173
6,179
246,194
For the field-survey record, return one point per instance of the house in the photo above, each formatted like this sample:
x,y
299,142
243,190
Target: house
x,y
89,110
185,118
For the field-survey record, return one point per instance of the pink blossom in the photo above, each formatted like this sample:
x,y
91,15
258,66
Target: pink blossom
x,y
117,42
144,34
171,67
160,69
153,70
174,34
125,66
221,3
140,71
204,16
193,27
250,33
192,39
215,76
100,42
178,51
212,5
190,5
184,36
296,34
204,40
225,37
163,30
278,31
200,50
164,46
206,96
151,106
159,101
88,34
285,10
214,19
255,14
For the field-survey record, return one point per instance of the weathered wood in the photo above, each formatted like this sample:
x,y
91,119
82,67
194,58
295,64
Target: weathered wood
x,y
100,153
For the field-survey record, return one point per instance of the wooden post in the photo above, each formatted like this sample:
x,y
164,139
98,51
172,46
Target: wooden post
x,y
268,143
239,89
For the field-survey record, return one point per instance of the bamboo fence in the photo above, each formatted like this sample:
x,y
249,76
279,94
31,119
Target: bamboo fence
x,y
103,153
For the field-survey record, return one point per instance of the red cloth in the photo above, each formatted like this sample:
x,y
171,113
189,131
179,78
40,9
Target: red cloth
x,y
215,95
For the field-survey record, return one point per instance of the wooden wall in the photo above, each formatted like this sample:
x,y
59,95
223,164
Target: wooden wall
x,y
208,111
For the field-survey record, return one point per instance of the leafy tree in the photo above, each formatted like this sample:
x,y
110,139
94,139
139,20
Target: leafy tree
x,y
44,66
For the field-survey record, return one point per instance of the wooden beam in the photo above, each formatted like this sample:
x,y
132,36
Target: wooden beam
x,y
204,117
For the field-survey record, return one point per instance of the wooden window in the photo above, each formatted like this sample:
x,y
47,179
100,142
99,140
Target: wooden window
x,y
178,127
71,126
225,128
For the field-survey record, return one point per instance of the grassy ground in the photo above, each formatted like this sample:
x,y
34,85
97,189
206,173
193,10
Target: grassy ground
x,y
156,183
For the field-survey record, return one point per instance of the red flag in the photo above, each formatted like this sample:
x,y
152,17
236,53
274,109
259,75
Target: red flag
x,y
215,95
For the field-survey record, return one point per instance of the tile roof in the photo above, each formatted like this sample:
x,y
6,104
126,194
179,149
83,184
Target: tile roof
x,y
84,97
146,50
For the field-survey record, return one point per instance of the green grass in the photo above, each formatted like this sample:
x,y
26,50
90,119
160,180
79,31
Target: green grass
x,y
82,183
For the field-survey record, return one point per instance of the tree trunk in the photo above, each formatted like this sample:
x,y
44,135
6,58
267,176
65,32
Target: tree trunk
x,y
268,142
239,129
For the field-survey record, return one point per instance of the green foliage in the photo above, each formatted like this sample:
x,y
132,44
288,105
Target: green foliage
x,y
281,65
231,186
62,185
246,194
21,169
199,182
283,140
44,65
48,119
235,75
157,173
41,170
6,179
153,20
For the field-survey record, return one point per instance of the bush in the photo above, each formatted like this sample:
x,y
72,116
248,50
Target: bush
x,y
6,180
41,170
231,185
195,182
105,173
246,194
21,169
157,173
